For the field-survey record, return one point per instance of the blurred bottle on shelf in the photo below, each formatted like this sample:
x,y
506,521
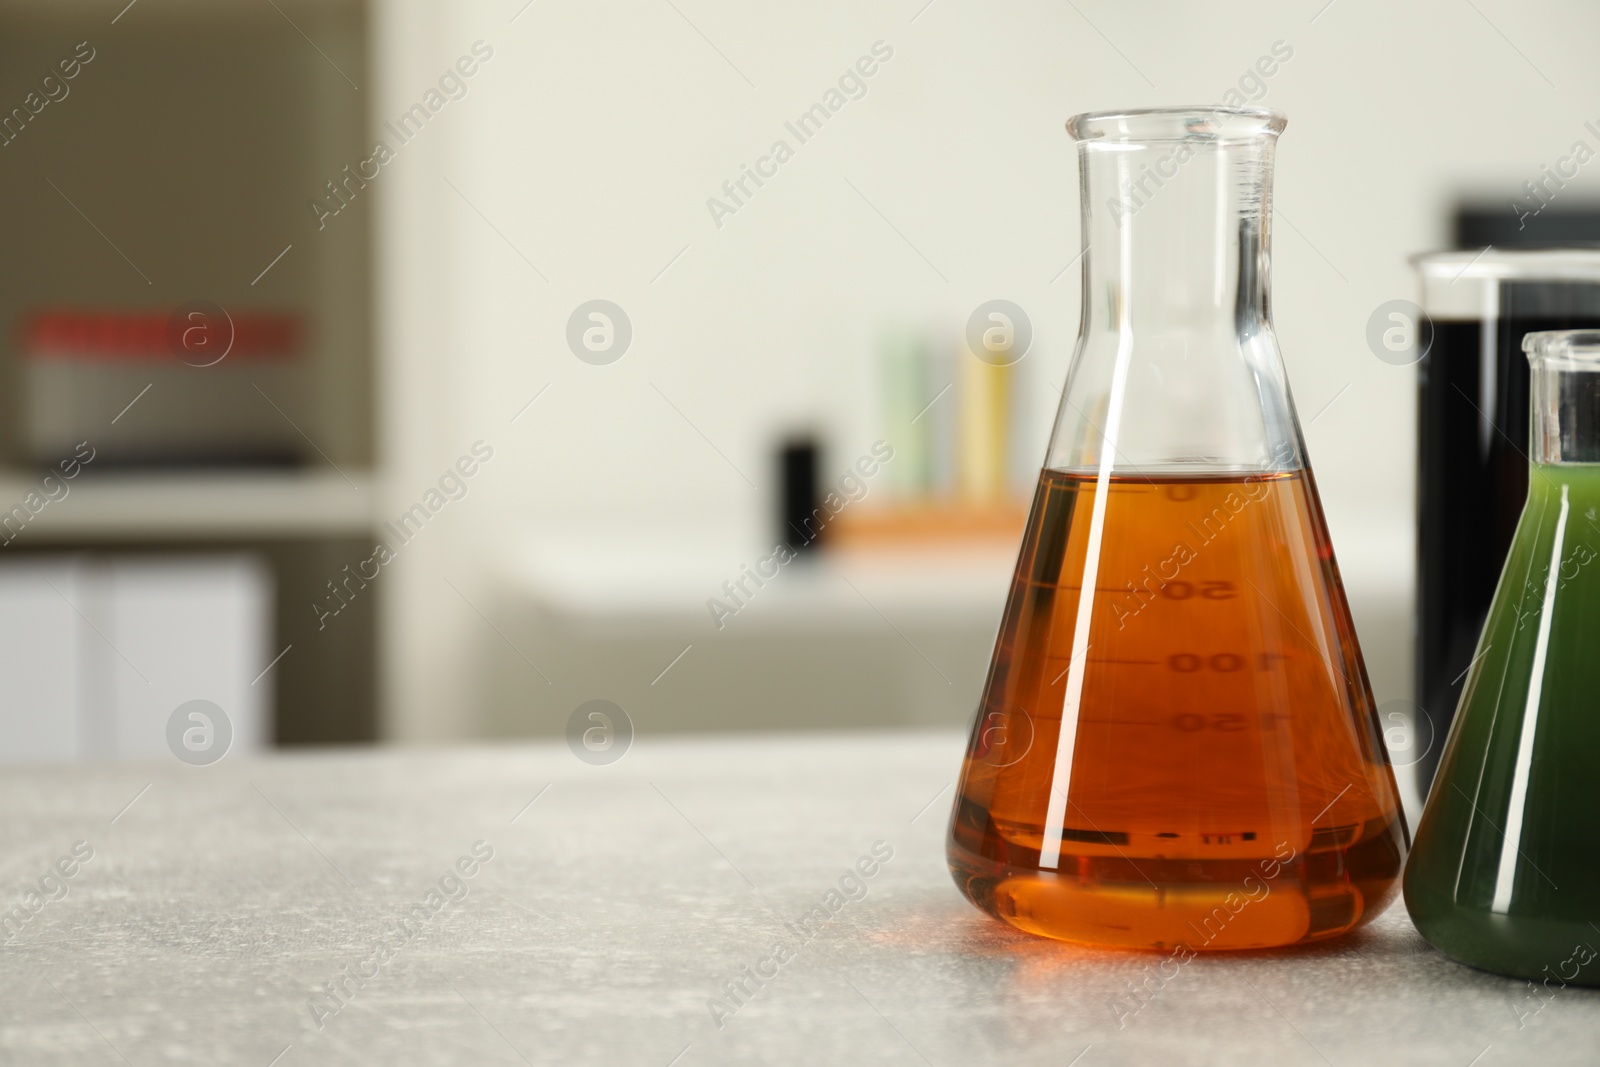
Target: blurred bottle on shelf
x,y
984,395
903,367
951,416
941,419
800,504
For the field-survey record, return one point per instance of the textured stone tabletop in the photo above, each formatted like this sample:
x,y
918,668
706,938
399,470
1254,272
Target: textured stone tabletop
x,y
515,905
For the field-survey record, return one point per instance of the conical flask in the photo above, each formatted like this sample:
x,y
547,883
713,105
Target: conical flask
x,y
1506,871
1177,746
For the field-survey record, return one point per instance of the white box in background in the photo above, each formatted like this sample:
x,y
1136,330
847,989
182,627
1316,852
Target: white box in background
x,y
39,662
96,654
205,372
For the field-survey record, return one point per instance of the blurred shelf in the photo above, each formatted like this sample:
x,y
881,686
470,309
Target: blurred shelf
x,y
181,505
929,524
644,587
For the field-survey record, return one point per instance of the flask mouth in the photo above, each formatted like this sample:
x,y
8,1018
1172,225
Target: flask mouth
x,y
1210,123
1568,350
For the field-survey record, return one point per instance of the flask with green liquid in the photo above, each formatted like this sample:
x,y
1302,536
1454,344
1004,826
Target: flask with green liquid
x,y
1505,871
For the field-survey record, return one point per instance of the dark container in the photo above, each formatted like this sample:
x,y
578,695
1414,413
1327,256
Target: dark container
x,y
1472,445
799,501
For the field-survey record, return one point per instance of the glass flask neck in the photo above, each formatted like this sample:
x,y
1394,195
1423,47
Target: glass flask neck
x,y
1564,392
1175,233
1177,368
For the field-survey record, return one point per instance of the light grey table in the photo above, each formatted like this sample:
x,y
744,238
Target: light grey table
x,y
615,907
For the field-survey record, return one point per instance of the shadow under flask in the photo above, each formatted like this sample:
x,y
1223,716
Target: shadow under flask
x,y
1177,746
1506,871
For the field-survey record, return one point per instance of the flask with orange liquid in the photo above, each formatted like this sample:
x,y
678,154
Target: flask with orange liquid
x,y
1177,746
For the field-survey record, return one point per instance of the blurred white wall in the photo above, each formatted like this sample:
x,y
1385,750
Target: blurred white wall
x,y
579,164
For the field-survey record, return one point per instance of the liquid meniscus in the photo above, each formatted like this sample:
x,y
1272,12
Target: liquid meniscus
x,y
1188,755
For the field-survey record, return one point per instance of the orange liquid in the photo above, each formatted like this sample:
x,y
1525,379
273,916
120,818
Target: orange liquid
x,y
1227,785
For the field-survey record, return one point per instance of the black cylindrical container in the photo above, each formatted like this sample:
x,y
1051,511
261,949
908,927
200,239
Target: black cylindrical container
x,y
1472,445
800,513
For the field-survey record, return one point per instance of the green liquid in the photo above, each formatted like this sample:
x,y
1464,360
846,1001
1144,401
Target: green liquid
x,y
1505,871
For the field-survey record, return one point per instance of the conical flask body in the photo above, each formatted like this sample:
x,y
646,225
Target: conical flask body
x,y
1506,870
1176,746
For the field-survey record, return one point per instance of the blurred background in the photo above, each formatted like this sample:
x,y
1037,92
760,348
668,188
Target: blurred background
x,y
410,372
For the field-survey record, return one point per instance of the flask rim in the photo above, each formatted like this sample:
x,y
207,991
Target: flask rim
x,y
1577,350
1510,264
1211,123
